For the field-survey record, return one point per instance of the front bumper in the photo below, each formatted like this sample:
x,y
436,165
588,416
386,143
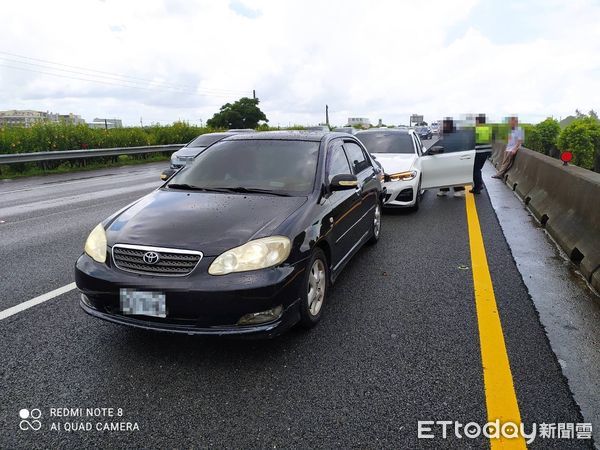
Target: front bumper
x,y
198,303
401,194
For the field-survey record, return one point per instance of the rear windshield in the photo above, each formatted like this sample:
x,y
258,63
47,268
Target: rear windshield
x,y
287,167
386,142
205,140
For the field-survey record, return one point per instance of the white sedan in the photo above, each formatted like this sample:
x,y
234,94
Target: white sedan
x,y
410,168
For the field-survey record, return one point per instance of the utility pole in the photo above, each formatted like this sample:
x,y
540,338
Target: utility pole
x,y
327,114
254,94
141,122
105,125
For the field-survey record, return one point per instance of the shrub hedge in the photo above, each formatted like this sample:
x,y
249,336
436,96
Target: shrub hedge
x,y
54,137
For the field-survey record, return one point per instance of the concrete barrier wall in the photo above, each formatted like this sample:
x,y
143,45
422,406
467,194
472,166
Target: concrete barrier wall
x,y
565,199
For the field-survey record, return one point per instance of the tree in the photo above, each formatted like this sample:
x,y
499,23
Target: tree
x,y
548,132
582,137
593,114
244,113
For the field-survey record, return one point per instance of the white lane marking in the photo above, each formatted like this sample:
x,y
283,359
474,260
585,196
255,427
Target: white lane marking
x,y
36,301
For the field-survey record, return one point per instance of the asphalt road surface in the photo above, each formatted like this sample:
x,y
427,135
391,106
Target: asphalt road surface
x,y
399,341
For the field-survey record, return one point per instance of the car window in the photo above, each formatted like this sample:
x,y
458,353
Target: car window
x,y
337,163
205,140
386,142
276,165
357,158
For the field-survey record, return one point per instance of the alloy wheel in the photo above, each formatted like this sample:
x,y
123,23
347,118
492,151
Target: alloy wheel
x,y
377,221
317,282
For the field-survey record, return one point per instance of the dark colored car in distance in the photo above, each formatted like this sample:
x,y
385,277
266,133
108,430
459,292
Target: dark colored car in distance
x,y
245,240
423,131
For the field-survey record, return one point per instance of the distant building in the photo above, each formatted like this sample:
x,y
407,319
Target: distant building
x,y
71,119
25,117
362,121
28,117
106,123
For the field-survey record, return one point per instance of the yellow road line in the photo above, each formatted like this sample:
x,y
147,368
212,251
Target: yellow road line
x,y
500,396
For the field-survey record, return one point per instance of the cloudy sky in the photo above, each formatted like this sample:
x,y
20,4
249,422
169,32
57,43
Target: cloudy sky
x,y
164,60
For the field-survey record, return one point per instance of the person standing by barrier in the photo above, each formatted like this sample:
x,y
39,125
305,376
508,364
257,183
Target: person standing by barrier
x,y
515,139
483,149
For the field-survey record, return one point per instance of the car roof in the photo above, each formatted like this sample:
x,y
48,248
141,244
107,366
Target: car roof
x,y
287,135
218,133
385,130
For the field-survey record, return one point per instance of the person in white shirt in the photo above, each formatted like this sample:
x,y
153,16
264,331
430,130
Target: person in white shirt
x,y
515,140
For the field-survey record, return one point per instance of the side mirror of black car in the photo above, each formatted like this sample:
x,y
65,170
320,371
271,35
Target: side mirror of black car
x,y
166,174
343,181
436,149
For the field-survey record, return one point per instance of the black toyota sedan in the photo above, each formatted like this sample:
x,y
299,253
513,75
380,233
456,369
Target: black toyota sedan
x,y
247,239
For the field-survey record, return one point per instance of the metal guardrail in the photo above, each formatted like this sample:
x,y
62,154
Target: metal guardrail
x,y
90,153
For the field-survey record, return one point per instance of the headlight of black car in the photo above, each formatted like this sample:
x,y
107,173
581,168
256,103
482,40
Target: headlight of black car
x,y
253,255
95,246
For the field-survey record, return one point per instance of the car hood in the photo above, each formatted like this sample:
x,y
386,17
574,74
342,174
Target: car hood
x,y
202,221
188,151
396,162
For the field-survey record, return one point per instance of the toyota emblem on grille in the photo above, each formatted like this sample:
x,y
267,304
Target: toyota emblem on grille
x,y
151,257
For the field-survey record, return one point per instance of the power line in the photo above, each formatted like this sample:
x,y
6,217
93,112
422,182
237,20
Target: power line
x,y
109,83
110,75
6,60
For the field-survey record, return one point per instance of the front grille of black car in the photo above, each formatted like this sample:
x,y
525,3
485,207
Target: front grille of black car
x,y
171,262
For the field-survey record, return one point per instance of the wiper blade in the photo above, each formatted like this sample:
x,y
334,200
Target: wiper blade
x,y
183,186
194,188
255,191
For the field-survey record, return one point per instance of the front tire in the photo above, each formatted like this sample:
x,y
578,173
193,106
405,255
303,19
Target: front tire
x,y
418,197
316,287
376,227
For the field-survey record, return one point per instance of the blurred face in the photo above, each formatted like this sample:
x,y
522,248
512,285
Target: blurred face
x,y
513,122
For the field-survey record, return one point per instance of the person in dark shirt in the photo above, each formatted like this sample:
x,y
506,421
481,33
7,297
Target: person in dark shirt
x,y
454,140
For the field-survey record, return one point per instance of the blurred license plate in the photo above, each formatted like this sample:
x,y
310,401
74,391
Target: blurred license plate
x,y
143,303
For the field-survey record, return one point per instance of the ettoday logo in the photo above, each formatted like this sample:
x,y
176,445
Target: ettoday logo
x,y
30,419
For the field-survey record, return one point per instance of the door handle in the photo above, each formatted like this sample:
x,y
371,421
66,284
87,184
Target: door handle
x,y
465,157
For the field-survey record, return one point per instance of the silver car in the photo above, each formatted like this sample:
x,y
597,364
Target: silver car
x,y
182,156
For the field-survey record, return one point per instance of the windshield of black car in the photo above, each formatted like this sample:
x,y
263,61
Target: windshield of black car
x,y
386,142
205,140
279,166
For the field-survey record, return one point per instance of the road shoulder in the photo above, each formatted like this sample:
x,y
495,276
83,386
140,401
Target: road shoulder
x,y
567,309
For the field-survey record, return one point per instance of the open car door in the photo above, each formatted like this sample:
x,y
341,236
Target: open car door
x,y
450,161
